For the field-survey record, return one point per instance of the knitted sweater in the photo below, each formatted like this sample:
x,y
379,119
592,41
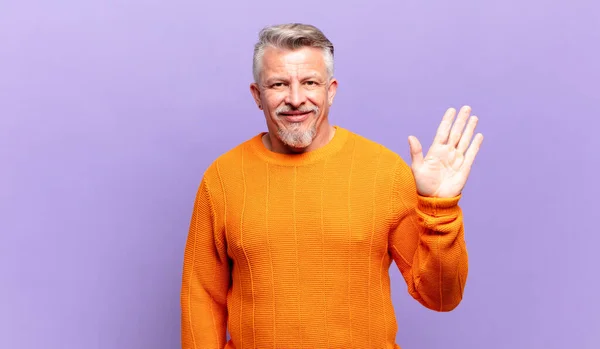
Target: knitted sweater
x,y
293,251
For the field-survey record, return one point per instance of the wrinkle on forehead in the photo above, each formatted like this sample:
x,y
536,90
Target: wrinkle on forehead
x,y
300,64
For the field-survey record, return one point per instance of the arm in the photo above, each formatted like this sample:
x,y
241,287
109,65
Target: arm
x,y
427,238
427,243
205,279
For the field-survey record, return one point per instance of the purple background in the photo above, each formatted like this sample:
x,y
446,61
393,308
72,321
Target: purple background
x,y
110,112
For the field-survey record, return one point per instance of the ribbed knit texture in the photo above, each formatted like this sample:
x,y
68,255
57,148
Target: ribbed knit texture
x,y
293,251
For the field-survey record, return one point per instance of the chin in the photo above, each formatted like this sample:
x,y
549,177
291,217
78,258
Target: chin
x,y
299,139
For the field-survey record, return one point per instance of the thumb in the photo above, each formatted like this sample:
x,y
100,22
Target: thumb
x,y
416,151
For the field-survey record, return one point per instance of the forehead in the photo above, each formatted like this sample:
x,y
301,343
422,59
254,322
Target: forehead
x,y
281,61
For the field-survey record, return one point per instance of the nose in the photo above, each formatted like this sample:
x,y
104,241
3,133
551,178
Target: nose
x,y
296,95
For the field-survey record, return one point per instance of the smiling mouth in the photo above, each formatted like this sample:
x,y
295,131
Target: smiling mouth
x,y
287,113
296,116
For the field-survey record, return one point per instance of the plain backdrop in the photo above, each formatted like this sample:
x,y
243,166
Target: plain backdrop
x,y
110,111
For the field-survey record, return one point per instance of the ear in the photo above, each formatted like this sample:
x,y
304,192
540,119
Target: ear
x,y
255,91
331,90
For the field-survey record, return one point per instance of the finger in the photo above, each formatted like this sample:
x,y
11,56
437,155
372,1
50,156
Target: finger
x,y
443,131
416,151
459,125
473,150
467,136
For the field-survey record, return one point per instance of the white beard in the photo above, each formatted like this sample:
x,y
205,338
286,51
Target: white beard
x,y
295,137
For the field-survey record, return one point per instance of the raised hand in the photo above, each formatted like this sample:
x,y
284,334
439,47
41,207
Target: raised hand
x,y
443,172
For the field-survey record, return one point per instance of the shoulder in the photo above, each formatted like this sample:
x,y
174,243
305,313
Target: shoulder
x,y
390,164
367,147
227,164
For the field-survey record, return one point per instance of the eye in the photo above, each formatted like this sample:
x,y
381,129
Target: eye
x,y
277,84
311,83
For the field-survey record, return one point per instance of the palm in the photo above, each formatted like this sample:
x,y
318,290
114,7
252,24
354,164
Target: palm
x,y
445,168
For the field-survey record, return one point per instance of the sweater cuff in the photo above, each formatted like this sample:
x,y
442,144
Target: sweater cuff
x,y
438,207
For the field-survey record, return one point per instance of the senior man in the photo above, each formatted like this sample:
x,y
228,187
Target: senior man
x,y
294,230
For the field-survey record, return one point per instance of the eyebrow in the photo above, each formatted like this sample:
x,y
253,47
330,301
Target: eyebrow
x,y
282,79
275,79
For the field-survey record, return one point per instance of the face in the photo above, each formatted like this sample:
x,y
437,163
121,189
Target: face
x,y
295,93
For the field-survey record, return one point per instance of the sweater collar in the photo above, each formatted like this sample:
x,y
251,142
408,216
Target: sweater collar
x,y
332,147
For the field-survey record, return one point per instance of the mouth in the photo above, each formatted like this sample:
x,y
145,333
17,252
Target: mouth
x,y
295,116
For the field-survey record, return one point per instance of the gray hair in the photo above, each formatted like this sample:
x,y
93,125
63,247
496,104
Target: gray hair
x,y
291,36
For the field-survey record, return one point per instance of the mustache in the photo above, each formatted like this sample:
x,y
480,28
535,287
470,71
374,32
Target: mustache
x,y
302,109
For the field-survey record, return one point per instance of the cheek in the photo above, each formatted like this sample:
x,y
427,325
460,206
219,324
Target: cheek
x,y
273,100
318,98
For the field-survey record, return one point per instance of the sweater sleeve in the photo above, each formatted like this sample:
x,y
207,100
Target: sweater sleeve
x,y
205,279
427,243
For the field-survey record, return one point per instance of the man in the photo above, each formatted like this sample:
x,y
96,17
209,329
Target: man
x,y
293,231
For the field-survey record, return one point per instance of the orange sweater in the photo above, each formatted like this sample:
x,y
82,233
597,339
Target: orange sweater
x,y
293,251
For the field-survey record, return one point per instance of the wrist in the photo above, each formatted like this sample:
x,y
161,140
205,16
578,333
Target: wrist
x,y
437,206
